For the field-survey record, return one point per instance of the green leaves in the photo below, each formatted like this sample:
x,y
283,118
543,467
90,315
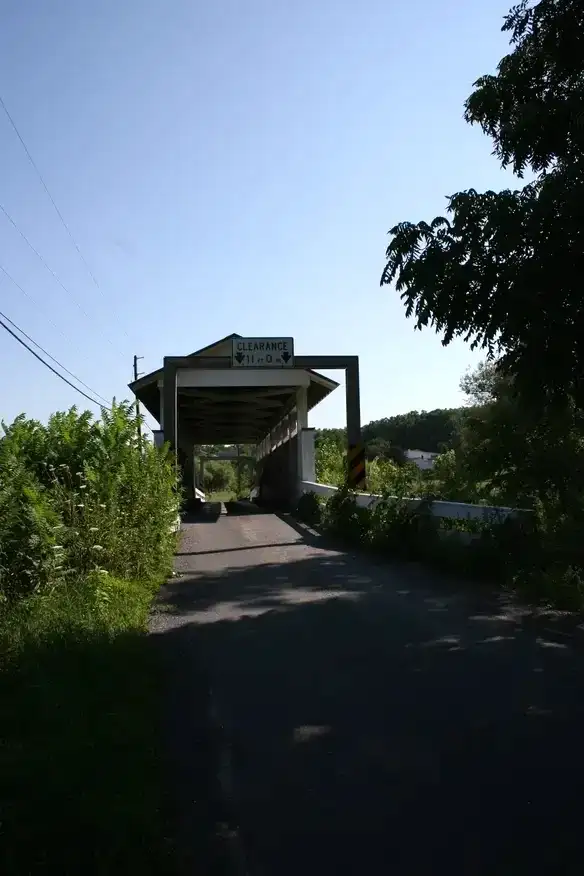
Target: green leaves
x,y
309,509
534,107
28,531
416,430
525,455
502,270
219,477
79,495
331,463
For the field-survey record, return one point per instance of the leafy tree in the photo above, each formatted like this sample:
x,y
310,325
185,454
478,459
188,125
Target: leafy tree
x,y
381,475
386,439
379,448
78,493
504,270
330,461
423,430
336,437
447,478
219,477
480,386
66,441
523,456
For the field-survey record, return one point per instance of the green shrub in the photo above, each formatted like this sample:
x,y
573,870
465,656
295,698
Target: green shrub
x,y
542,557
397,528
383,475
86,516
330,461
547,554
105,500
30,552
219,477
344,518
309,509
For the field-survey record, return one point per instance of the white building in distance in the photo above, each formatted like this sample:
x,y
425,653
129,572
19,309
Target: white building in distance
x,y
424,459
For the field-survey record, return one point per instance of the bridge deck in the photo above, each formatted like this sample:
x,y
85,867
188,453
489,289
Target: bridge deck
x,y
382,721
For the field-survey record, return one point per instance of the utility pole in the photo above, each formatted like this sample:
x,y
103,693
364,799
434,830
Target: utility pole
x,y
138,374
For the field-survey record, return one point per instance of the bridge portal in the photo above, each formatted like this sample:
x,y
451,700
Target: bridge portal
x,y
252,391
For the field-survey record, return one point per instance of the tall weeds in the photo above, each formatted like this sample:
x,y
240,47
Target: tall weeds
x,y
81,496
86,537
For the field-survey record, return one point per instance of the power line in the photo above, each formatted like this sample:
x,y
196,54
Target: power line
x,y
34,301
28,337
47,365
46,188
51,199
50,270
32,340
56,361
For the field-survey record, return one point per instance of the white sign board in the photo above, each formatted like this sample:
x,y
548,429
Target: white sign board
x,y
262,353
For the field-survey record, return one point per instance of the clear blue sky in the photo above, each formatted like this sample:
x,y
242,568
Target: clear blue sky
x,y
233,166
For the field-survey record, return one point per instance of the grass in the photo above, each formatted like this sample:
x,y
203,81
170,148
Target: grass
x,y
221,496
80,754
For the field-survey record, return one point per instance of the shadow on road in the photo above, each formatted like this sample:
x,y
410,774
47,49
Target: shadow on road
x,y
234,550
378,724
242,508
207,512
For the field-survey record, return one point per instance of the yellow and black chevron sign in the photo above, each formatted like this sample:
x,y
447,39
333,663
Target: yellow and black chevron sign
x,y
356,466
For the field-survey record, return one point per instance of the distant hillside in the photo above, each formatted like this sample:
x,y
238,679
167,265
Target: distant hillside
x,y
417,430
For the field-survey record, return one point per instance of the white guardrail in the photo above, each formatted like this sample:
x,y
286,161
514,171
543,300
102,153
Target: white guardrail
x,y
438,508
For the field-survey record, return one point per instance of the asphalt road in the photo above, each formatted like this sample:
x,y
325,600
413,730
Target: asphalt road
x,y
382,720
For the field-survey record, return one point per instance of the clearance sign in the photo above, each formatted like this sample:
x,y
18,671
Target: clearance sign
x,y
262,353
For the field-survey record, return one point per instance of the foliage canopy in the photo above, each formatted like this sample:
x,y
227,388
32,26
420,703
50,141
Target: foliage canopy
x,y
503,270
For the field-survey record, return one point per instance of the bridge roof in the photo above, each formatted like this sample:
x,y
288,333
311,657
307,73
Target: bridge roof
x,y
231,414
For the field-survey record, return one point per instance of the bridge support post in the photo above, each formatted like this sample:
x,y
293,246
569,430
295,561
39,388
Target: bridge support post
x,y
306,439
355,447
293,480
301,424
169,408
355,450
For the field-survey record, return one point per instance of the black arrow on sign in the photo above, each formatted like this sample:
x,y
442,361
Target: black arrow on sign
x,y
239,358
285,356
